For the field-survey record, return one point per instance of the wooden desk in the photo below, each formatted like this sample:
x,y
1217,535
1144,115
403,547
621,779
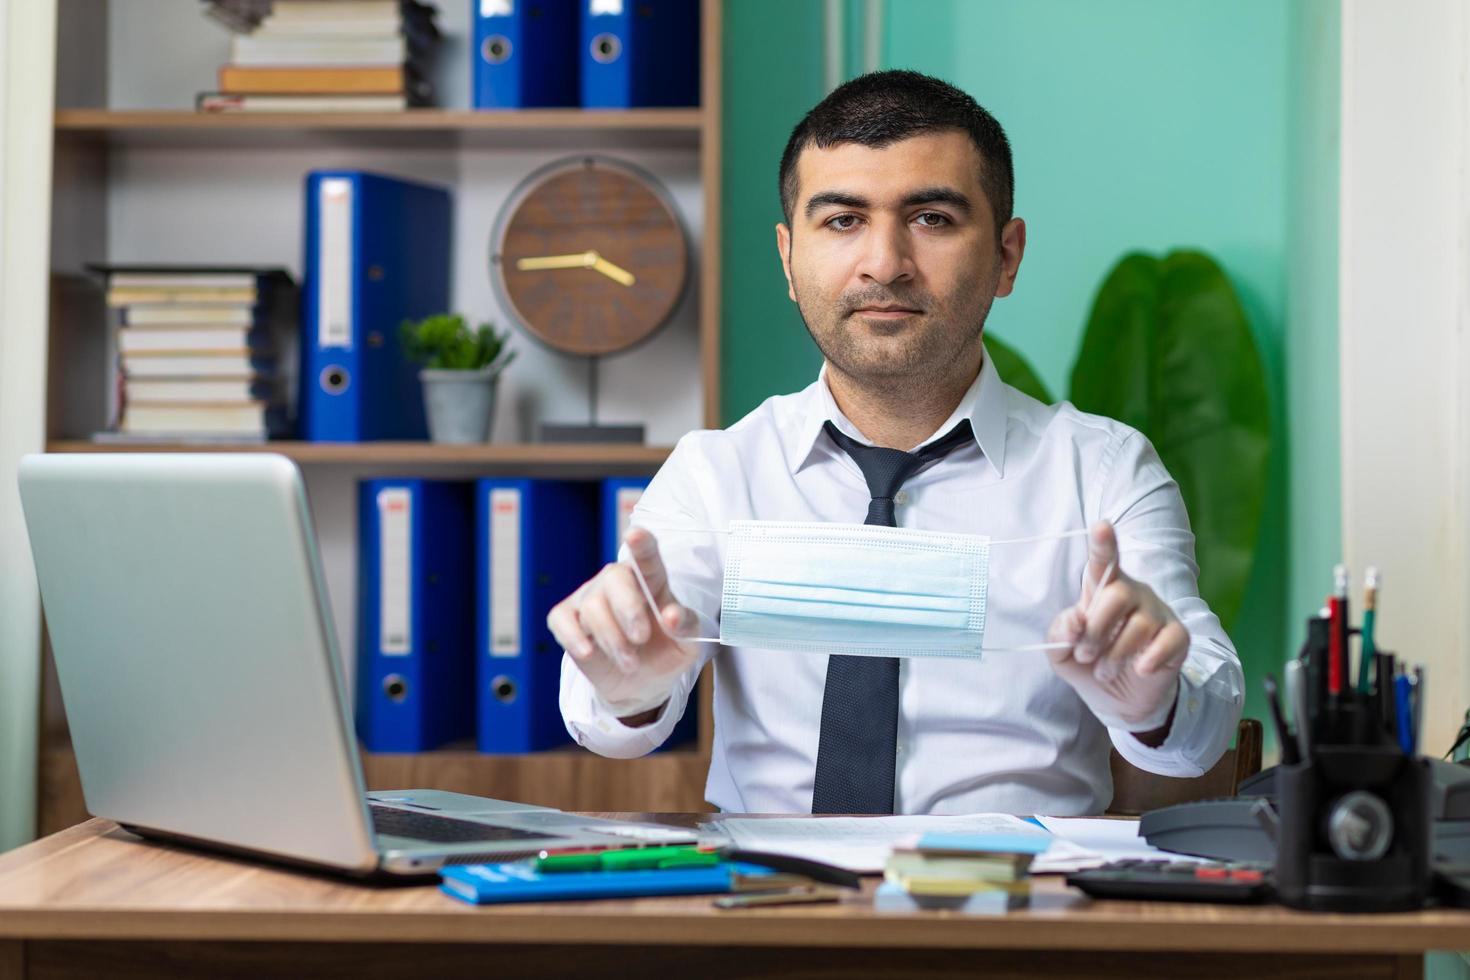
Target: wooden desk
x,y
95,901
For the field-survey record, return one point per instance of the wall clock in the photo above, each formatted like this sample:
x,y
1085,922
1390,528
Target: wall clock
x,y
589,255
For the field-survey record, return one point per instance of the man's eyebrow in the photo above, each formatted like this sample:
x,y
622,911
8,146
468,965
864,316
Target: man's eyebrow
x,y
839,198
924,195
938,195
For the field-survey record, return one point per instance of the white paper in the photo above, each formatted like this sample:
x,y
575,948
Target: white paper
x,y
1088,842
860,844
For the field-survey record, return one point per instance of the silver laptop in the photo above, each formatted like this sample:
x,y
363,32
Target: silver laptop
x,y
199,667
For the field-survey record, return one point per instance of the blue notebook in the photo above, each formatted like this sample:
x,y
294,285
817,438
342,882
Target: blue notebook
x,y
490,884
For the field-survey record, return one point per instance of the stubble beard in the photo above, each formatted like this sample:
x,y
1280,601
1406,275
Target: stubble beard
x,y
935,349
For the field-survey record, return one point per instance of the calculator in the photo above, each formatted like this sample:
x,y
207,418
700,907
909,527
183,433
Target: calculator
x,y
1236,882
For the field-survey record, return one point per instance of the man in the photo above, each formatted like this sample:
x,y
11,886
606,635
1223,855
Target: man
x,y
896,192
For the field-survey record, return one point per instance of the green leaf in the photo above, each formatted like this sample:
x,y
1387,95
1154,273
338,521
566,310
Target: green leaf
x,y
1169,351
1015,370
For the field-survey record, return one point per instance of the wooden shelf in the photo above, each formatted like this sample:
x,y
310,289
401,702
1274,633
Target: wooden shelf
x,y
413,128
534,456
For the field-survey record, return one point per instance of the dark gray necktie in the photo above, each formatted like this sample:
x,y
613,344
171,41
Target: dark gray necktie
x,y
856,749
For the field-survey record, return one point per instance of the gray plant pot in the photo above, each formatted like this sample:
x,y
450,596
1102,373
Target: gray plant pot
x,y
460,404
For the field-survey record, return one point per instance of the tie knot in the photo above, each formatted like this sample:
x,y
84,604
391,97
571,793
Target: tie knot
x,y
885,470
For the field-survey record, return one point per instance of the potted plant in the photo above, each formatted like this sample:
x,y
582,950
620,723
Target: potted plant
x,y
460,370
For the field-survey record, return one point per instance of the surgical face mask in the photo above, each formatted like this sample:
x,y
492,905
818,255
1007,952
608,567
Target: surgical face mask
x,y
857,589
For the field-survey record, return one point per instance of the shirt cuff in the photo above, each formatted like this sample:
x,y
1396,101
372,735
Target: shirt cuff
x,y
593,725
1196,739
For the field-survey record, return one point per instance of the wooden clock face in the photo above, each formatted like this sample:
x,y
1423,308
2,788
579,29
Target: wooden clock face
x,y
591,257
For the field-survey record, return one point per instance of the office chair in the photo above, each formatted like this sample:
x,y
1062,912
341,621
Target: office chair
x,y
1135,792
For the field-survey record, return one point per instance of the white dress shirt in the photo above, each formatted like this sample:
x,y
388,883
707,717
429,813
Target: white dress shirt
x,y
999,733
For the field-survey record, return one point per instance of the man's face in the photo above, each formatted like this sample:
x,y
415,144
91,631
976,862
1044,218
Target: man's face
x,y
892,256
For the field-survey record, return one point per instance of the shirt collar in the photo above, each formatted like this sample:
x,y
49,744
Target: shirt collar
x,y
984,404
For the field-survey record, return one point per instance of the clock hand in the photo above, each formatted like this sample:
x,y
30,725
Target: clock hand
x,y
614,272
576,260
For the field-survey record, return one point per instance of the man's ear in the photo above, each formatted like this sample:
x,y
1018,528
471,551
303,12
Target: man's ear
x,y
1012,247
783,248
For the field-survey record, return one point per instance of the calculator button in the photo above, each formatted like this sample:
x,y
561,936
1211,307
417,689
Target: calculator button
x,y
1245,874
1211,874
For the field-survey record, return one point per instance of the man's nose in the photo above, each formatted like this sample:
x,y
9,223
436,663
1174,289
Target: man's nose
x,y
887,256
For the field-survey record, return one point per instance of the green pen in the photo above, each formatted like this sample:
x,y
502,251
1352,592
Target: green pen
x,y
1367,646
629,859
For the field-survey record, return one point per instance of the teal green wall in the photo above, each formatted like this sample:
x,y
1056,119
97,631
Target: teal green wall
x,y
1315,532
1135,124
773,75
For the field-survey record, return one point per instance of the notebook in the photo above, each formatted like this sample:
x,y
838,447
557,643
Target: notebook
x,y
489,884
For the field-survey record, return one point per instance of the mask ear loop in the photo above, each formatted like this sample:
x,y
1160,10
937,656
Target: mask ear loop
x,y
658,616
1023,648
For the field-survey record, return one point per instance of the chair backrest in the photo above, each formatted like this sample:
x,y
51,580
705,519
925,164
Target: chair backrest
x,y
1136,792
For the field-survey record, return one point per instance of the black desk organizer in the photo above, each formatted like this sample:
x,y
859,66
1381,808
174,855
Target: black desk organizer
x,y
1353,832
1352,807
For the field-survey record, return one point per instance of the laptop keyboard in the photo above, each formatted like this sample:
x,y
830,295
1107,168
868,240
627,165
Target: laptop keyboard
x,y
443,830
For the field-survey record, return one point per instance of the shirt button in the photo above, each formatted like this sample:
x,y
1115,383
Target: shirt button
x,y
899,749
1193,705
901,498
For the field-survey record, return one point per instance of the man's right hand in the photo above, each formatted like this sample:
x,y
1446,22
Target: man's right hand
x,y
610,632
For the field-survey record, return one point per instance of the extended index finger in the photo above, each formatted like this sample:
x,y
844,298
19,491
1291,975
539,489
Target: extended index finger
x,y
643,548
1102,560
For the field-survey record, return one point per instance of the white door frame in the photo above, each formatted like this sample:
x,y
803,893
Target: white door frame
x,y
1405,363
27,81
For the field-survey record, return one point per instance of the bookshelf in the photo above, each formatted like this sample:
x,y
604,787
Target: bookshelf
x,y
442,128
528,456
118,164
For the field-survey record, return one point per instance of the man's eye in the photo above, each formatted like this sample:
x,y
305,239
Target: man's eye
x,y
932,219
842,222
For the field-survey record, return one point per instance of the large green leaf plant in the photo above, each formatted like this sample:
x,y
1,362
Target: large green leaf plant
x,y
1169,351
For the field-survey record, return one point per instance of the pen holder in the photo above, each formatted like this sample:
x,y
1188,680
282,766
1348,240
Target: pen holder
x,y
1354,830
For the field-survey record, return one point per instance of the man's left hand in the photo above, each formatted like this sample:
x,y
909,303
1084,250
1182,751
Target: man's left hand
x,y
1126,645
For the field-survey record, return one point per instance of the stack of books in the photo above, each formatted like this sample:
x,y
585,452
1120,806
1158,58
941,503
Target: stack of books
x,y
325,56
202,353
962,872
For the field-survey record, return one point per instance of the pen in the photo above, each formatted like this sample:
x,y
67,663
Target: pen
x,y
629,859
1370,615
1314,670
1403,712
790,863
1288,747
1418,706
1337,639
1296,692
800,895
594,848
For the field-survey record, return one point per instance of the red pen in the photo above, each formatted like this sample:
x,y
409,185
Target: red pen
x,y
1337,668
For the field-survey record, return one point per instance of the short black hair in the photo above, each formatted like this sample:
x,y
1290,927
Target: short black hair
x,y
884,107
